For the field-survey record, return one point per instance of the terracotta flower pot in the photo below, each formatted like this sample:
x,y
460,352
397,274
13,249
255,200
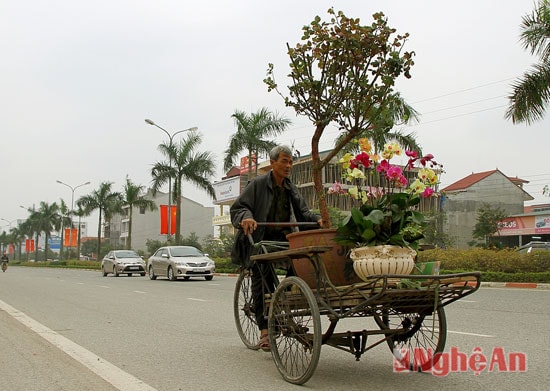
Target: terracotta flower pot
x,y
339,265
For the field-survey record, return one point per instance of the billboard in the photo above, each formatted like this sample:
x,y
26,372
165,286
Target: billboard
x,y
228,189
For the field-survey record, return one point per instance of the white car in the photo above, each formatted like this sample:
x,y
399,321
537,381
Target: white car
x,y
122,262
180,261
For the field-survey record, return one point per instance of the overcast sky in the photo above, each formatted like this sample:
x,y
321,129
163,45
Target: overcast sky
x,y
77,80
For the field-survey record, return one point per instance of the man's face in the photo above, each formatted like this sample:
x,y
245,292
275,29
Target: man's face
x,y
281,167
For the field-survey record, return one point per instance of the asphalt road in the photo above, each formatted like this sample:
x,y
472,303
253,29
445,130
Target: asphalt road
x,y
75,330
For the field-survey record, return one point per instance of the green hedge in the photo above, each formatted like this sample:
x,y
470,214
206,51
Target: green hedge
x,y
70,264
496,266
505,261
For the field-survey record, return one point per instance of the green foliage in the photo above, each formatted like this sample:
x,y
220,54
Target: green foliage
x,y
153,245
71,264
389,220
344,73
191,240
502,261
530,96
218,247
488,218
433,231
252,135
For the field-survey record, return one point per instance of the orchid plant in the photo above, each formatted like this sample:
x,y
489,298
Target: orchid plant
x,y
387,211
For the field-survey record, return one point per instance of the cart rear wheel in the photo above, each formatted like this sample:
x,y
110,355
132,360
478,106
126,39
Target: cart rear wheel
x,y
245,320
419,345
295,330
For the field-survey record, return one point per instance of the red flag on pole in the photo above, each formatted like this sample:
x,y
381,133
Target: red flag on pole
x,y
74,237
173,220
163,219
67,237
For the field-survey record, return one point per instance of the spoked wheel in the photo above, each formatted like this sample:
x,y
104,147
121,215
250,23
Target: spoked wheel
x,y
243,311
295,330
419,345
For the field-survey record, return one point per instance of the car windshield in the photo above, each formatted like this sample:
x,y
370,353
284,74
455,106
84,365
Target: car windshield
x,y
126,254
185,252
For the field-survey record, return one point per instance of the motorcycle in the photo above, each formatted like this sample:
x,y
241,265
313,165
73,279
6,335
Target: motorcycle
x,y
4,265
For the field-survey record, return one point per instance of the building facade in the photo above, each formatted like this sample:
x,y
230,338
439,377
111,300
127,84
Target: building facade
x,y
195,218
462,199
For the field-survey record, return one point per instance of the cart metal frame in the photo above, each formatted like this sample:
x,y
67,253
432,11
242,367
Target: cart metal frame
x,y
408,310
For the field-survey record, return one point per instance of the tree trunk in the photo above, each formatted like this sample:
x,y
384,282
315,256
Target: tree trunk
x,y
318,175
129,239
98,236
178,212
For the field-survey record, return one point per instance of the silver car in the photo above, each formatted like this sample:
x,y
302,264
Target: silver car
x,y
180,261
122,262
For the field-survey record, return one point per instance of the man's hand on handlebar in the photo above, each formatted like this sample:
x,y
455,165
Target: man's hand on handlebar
x,y
248,225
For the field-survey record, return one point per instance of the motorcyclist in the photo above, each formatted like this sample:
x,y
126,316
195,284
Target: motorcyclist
x,y
4,261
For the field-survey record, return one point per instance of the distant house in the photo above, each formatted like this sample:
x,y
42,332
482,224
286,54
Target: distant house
x,y
195,218
462,199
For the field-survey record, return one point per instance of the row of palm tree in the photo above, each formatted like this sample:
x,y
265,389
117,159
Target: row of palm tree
x,y
183,163
49,218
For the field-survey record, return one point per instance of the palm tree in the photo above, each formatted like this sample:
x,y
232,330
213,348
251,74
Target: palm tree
x,y
250,136
531,93
65,222
29,229
106,201
17,236
184,165
132,197
44,219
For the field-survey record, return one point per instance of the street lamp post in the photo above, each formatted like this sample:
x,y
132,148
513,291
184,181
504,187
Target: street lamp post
x,y
72,208
170,138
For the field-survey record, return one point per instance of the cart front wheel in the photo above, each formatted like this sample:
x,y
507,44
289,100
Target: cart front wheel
x,y
295,330
243,311
420,339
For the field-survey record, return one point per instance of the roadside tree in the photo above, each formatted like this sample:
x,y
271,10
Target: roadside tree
x,y
251,134
184,164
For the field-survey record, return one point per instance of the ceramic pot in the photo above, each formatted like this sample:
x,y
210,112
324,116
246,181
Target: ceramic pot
x,y
339,265
384,259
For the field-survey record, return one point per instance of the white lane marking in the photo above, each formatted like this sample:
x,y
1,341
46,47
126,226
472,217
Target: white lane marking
x,y
139,292
191,298
468,301
472,334
103,368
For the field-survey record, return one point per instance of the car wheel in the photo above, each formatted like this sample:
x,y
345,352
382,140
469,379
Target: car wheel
x,y
115,272
143,274
171,275
152,273
103,271
129,274
208,278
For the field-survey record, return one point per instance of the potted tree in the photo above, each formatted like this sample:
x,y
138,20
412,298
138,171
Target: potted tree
x,y
343,73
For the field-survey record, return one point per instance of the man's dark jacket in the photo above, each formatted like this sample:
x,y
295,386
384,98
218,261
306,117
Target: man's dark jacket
x,y
255,202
